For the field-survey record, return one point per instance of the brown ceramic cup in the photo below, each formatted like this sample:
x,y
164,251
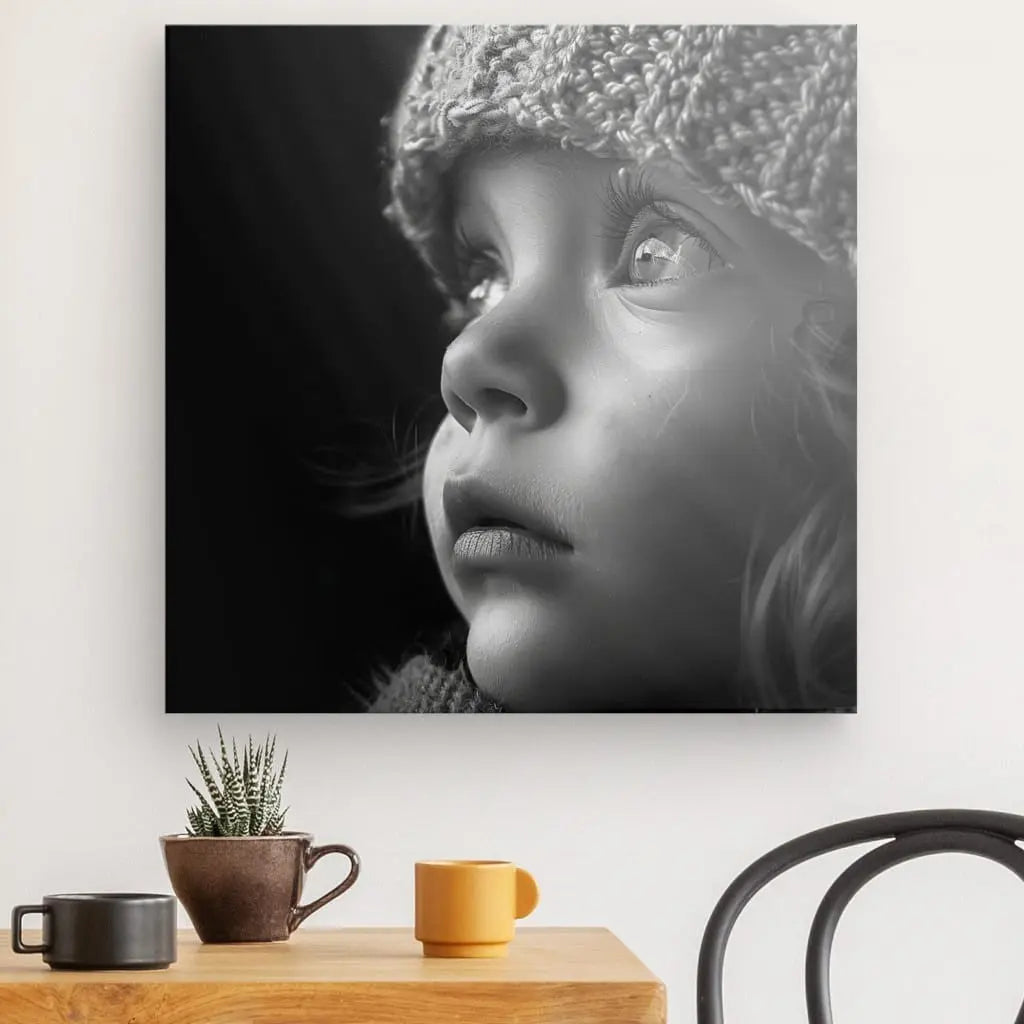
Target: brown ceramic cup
x,y
247,888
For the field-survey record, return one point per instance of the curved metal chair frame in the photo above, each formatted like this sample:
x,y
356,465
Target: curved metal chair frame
x,y
990,834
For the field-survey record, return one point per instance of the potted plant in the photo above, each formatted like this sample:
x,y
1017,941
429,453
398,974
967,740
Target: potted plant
x,y
238,874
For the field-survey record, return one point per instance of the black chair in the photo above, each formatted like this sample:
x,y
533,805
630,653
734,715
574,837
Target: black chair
x,y
990,834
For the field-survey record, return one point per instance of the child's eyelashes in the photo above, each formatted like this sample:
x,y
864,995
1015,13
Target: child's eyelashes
x,y
654,242
657,244
482,280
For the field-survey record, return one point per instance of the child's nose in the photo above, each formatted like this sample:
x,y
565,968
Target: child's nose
x,y
503,365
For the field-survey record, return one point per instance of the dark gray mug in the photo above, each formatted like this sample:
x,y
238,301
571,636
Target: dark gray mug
x,y
102,930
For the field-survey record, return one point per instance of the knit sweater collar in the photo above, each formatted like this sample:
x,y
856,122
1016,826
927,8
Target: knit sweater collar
x,y
421,685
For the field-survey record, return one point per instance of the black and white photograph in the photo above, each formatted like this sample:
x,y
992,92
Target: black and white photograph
x,y
511,368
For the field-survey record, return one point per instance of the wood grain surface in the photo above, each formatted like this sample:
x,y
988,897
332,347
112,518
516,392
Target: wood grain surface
x,y
346,976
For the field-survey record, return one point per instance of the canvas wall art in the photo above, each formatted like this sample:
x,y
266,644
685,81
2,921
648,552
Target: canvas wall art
x,y
511,369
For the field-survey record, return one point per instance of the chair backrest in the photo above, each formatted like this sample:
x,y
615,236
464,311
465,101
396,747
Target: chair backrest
x,y
990,834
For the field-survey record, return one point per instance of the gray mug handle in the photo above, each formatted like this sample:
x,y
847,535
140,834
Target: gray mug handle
x,y
16,916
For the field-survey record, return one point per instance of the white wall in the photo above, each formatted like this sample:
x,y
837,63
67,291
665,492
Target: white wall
x,y
636,822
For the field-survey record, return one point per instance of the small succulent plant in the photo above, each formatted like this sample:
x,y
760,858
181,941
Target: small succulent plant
x,y
247,802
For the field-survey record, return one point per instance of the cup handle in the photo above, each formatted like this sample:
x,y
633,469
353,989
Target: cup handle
x,y
16,917
527,894
313,854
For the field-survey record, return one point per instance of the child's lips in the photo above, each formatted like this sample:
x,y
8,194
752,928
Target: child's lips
x,y
508,518
489,545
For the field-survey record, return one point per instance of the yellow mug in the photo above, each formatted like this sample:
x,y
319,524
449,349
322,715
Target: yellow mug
x,y
469,908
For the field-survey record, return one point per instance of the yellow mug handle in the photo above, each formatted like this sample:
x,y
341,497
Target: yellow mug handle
x,y
527,895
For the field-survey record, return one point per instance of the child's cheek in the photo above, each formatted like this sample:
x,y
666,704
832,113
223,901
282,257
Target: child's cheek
x,y
440,456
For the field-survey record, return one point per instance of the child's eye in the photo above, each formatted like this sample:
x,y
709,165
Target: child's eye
x,y
658,244
484,286
671,254
489,290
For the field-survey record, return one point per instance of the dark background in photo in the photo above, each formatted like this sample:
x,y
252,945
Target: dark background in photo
x,y
291,304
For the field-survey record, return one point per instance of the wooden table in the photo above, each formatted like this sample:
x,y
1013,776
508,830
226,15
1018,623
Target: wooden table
x,y
346,976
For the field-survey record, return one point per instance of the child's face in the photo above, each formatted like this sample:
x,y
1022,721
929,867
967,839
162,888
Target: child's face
x,y
639,421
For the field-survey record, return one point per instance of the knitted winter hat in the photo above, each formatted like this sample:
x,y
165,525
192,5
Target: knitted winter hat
x,y
766,115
